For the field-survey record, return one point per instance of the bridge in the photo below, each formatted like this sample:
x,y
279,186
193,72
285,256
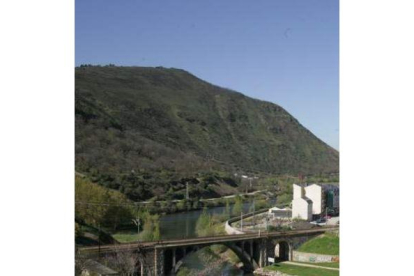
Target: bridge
x,y
254,249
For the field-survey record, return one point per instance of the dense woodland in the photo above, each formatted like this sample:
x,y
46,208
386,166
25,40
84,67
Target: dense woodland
x,y
146,132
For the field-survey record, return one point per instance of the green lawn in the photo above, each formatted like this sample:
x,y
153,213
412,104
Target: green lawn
x,y
327,244
125,237
301,270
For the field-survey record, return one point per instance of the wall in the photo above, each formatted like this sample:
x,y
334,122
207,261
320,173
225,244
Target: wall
x,y
298,191
230,230
314,258
301,209
314,193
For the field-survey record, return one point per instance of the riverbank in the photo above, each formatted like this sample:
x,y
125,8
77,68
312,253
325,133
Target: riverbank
x,y
260,197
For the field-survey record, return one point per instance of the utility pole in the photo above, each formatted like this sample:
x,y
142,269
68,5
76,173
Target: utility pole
x,y
137,222
241,220
99,241
186,192
254,213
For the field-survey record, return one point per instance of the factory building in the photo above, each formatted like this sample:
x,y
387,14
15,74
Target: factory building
x,y
301,205
319,198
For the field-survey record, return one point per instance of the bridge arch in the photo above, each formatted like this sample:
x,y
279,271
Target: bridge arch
x,y
173,256
283,250
245,252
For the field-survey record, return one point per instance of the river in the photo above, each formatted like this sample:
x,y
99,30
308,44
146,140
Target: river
x,y
182,225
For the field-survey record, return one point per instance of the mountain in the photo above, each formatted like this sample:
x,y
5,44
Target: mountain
x,y
140,129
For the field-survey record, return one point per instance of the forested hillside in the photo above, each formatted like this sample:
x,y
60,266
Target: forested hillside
x,y
146,131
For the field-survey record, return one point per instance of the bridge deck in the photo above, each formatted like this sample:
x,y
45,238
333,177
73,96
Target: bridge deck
x,y
199,241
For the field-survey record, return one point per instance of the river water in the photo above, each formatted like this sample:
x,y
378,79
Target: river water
x,y
201,265
182,225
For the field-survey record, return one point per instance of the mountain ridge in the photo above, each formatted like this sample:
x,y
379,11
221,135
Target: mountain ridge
x,y
158,119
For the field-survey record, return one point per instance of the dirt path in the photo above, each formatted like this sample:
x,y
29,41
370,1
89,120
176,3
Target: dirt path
x,y
311,265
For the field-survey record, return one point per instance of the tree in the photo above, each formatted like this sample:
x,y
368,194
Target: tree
x,y
181,205
203,224
124,261
196,203
253,205
151,230
227,209
99,206
238,205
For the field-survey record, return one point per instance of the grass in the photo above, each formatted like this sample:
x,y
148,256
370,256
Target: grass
x,y
301,270
183,271
327,244
125,237
219,228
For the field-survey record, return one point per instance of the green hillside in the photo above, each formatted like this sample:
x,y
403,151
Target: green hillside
x,y
143,130
327,244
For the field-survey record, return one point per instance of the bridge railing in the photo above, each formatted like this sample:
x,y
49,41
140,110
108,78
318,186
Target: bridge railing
x,y
200,240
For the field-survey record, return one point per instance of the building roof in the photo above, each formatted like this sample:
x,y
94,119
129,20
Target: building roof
x,y
279,209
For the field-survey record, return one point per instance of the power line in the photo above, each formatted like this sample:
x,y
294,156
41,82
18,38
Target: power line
x,y
105,203
137,204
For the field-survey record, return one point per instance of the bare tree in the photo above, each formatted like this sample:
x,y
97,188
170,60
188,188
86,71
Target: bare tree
x,y
125,261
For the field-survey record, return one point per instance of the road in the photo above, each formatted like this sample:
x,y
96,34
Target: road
x,y
208,199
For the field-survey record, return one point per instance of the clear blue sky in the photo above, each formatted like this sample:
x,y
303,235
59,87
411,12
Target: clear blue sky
x,y
282,51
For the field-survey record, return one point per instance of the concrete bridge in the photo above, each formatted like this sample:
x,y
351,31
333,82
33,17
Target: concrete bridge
x,y
163,257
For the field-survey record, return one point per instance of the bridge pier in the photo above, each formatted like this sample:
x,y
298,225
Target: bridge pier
x,y
174,258
251,251
264,255
156,261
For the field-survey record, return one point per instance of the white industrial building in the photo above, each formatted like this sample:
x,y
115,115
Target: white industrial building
x,y
314,199
301,205
315,193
